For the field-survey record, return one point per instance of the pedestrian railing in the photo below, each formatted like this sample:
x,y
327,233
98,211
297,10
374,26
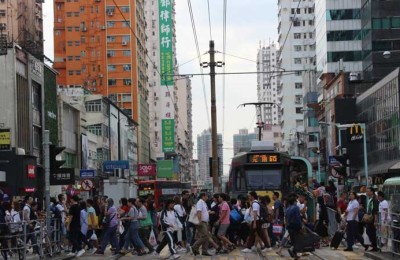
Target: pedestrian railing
x,y
19,240
388,233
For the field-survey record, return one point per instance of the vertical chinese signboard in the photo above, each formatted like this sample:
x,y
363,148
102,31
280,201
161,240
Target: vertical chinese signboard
x,y
5,139
168,135
165,27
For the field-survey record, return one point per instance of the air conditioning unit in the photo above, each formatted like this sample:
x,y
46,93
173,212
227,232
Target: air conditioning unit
x,y
109,55
103,27
124,43
100,75
84,29
355,76
110,13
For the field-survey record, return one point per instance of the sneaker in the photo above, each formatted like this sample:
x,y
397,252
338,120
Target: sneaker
x,y
291,252
174,257
71,254
180,249
355,247
80,253
123,251
155,254
94,250
193,252
266,249
247,250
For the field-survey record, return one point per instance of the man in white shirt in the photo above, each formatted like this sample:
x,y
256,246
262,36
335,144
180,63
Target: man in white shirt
x,y
202,227
384,217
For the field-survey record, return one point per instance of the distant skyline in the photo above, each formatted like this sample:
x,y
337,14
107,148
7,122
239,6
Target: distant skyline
x,y
248,23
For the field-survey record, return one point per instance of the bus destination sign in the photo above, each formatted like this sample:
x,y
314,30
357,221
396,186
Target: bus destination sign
x,y
264,158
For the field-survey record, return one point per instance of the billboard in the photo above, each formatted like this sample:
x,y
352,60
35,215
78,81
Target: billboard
x,y
165,169
165,30
147,169
168,135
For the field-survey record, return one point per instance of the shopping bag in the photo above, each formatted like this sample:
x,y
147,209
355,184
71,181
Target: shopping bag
x,y
121,228
93,236
193,216
152,238
165,253
277,229
367,242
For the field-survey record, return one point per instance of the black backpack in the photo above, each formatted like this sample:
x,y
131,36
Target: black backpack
x,y
265,217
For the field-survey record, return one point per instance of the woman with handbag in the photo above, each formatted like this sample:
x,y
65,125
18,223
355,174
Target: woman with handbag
x,y
93,224
110,224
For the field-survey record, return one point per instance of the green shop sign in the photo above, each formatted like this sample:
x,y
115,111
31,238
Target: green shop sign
x,y
165,27
168,135
164,169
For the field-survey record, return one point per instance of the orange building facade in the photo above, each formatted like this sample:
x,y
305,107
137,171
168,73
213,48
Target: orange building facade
x,y
95,47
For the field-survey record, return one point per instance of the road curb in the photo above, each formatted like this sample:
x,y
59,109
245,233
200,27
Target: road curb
x,y
380,255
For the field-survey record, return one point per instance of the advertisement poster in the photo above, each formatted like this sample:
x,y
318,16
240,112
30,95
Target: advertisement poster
x,y
165,169
168,135
85,152
113,133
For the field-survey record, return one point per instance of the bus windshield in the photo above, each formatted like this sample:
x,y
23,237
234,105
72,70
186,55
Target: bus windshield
x,y
263,179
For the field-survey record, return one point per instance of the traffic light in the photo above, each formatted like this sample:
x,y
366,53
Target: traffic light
x,y
344,164
54,163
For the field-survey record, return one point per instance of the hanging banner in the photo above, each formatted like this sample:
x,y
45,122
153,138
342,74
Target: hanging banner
x,y
147,169
165,30
168,135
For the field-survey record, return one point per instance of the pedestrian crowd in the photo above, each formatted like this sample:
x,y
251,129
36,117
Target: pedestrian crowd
x,y
206,225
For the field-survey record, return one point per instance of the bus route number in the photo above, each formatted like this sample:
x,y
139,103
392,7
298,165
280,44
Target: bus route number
x,y
264,158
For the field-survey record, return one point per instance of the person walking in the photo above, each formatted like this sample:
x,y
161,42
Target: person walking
x,y
110,224
84,225
351,214
202,228
93,224
255,226
372,209
132,235
293,224
170,223
180,210
74,228
223,224
145,224
384,217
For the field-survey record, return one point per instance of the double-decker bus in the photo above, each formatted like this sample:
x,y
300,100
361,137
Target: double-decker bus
x,y
161,189
262,169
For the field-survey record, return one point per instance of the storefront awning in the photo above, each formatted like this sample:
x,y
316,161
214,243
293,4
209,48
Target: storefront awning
x,y
381,168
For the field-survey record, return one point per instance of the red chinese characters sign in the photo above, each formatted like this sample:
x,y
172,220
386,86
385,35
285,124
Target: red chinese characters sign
x,y
147,169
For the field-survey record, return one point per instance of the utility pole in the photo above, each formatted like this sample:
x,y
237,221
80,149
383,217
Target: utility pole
x,y
46,156
214,137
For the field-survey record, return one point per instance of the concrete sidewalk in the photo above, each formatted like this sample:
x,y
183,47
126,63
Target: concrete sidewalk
x,y
381,255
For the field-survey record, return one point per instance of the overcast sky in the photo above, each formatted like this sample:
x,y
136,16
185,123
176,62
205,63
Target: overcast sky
x,y
249,22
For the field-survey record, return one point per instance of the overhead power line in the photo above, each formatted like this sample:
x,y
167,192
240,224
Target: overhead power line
x,y
209,18
287,72
223,69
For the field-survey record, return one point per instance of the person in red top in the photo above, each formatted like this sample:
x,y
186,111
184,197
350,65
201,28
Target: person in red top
x,y
123,212
223,223
342,203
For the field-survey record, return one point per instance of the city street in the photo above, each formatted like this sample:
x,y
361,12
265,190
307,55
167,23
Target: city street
x,y
323,253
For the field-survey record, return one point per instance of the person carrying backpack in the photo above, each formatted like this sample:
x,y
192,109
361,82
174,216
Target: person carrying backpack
x,y
260,216
293,221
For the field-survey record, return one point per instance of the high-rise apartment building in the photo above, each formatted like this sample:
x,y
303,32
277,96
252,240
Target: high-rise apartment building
x,y
101,45
242,141
267,83
297,54
22,22
338,36
204,153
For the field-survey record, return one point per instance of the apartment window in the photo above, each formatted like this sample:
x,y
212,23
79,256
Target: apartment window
x,y
111,53
111,68
126,38
76,28
93,106
310,35
297,47
112,82
70,72
298,85
83,53
110,9
127,82
69,14
299,110
83,39
126,98
126,67
78,58
298,99
125,23
124,9
310,22
83,68
76,14
110,38
82,9
110,24
78,72
69,43
70,58
58,7
58,32
296,23
77,43
297,35
126,53
69,28
297,60
36,137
